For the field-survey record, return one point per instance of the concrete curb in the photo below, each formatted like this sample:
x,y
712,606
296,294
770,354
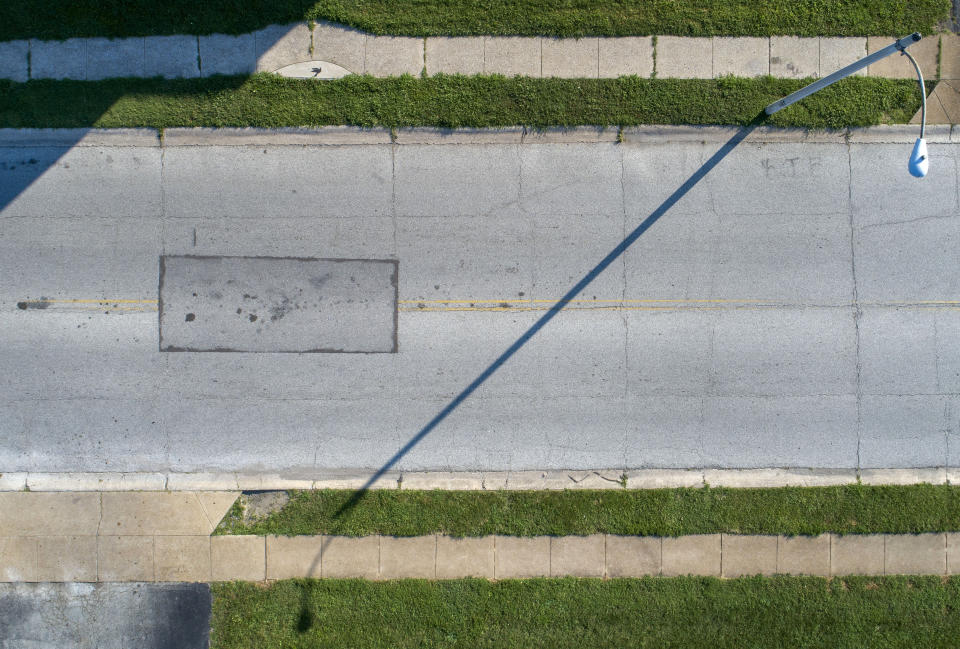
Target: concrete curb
x,y
476,481
60,137
350,135
326,135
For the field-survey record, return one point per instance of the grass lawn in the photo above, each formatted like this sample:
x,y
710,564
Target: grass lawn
x,y
49,19
654,512
690,612
448,101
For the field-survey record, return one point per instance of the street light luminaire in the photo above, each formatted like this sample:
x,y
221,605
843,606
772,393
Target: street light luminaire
x,y
919,161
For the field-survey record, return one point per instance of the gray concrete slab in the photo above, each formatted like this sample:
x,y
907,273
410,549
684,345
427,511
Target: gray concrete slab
x,y
683,57
438,363
14,63
107,57
794,57
904,430
741,56
560,179
277,304
105,616
742,352
570,57
226,54
392,56
350,237
499,265
816,431
898,66
663,431
280,45
171,57
908,262
725,337
581,243
460,55
698,259
906,201
65,59
79,182
625,56
512,56
300,182
340,45
898,351
779,178
442,180
836,53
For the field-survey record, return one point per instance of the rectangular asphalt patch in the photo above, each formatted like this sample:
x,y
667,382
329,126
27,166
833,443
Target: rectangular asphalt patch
x,y
105,616
277,304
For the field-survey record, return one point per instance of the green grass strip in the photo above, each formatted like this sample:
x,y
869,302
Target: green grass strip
x,y
654,512
447,101
689,612
50,19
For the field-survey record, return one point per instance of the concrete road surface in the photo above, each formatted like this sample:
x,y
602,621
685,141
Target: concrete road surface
x,y
797,307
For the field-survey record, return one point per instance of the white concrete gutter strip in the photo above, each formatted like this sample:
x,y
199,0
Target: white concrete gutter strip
x,y
336,50
350,135
476,481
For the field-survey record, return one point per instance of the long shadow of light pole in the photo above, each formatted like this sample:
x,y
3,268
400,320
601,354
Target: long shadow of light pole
x,y
306,619
612,256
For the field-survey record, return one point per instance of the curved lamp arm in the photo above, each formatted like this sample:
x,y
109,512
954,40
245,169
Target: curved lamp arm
x,y
919,160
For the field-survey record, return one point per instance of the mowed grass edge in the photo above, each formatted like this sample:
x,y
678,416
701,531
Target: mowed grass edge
x,y
693,612
266,100
56,19
847,509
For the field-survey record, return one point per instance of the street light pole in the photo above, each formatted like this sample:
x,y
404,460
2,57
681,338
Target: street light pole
x,y
918,158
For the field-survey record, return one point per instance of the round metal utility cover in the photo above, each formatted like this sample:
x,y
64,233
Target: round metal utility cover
x,y
313,70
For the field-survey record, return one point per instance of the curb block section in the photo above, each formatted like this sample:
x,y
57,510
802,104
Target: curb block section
x,y
349,135
252,136
779,477
477,481
73,137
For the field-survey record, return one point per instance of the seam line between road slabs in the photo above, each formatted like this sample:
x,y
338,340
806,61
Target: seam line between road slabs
x,y
476,481
350,135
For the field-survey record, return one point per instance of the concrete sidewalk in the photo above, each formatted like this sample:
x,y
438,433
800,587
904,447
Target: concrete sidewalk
x,y
351,51
165,537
